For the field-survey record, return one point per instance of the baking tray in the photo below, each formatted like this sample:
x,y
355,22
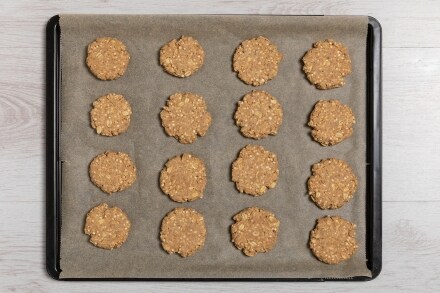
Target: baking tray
x,y
373,163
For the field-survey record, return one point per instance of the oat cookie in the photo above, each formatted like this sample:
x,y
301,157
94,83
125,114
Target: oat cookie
x,y
326,64
183,178
255,231
110,115
332,183
183,231
255,170
333,240
182,57
112,171
258,115
107,58
331,122
107,227
185,116
256,61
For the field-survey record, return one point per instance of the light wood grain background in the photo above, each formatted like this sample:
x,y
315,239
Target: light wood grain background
x,y
411,147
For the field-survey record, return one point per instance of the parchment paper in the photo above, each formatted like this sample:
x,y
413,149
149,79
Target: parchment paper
x,y
146,86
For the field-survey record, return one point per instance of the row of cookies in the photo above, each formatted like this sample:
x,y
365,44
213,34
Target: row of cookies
x,y
185,116
183,231
256,60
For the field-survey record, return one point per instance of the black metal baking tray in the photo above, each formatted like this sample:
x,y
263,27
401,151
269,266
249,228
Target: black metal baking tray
x,y
374,161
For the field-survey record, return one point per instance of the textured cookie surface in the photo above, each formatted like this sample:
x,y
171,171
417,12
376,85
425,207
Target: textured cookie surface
x,y
182,57
333,240
107,227
107,58
185,116
258,115
183,231
110,115
255,170
326,64
183,178
112,171
255,231
331,122
256,61
332,183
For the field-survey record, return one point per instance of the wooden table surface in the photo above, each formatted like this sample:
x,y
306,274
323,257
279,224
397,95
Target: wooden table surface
x,y
411,141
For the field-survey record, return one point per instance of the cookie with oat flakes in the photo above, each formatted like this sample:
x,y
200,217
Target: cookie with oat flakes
x,y
255,231
185,116
332,183
331,122
112,171
333,240
110,115
183,57
255,170
256,61
326,64
108,227
258,115
107,58
183,178
183,231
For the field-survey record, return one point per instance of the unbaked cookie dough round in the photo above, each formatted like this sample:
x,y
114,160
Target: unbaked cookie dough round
x,y
183,178
255,170
185,116
255,231
331,122
256,61
332,183
112,171
326,64
110,115
182,57
183,231
108,227
333,240
107,58
258,115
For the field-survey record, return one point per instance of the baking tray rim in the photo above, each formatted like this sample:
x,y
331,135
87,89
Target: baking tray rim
x,y
374,163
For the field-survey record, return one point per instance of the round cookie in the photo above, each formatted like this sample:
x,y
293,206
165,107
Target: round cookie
x,y
110,115
107,58
183,178
332,183
255,231
333,240
183,231
182,57
255,170
185,116
331,122
326,64
256,61
258,115
112,171
107,227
